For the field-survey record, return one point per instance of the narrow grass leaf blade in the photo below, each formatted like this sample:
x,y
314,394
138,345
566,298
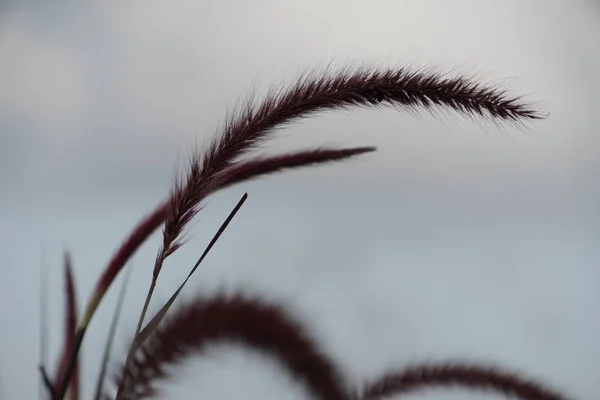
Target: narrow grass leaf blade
x,y
67,378
111,333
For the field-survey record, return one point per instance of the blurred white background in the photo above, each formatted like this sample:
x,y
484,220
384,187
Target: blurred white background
x,y
455,239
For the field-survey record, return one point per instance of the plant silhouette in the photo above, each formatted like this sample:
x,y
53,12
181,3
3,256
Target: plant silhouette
x,y
173,335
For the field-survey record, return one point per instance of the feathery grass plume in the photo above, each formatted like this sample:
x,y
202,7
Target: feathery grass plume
x,y
253,123
318,91
315,91
259,166
251,322
457,374
69,335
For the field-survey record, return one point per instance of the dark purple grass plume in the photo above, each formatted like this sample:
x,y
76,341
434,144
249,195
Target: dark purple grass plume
x,y
460,375
269,328
251,322
228,160
253,124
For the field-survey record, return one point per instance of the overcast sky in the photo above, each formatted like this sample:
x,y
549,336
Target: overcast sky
x,y
455,239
